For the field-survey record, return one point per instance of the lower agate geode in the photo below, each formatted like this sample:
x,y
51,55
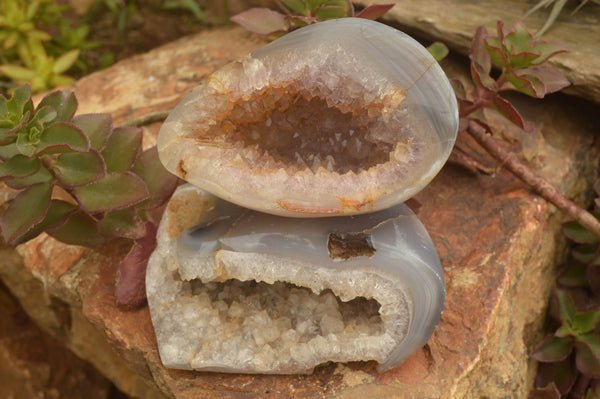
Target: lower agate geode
x,y
236,290
322,133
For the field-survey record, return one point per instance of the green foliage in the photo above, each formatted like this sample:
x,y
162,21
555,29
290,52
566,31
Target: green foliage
x,y
300,13
520,58
572,351
557,7
81,180
30,54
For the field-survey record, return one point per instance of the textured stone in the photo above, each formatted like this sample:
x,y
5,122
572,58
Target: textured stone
x,y
455,24
498,243
35,365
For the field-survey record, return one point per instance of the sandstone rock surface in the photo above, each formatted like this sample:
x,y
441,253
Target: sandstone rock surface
x,y
498,243
454,24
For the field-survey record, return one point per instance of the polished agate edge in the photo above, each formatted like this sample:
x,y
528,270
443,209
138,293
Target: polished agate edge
x,y
193,333
361,65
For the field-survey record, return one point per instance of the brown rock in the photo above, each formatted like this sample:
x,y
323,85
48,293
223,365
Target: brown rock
x,y
455,24
498,243
35,365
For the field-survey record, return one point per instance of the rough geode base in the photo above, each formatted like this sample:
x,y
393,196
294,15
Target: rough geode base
x,y
233,290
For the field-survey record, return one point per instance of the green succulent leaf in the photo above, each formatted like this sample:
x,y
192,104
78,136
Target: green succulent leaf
x,y
41,176
438,50
262,21
553,349
588,354
519,40
62,137
575,275
112,192
496,50
522,60
57,215
97,127
576,232
20,103
8,151
298,6
586,321
25,211
24,145
74,169
19,166
65,61
545,50
125,223
159,181
566,308
64,102
330,13
79,229
122,149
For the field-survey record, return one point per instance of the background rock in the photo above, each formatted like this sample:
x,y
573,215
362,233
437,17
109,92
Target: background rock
x,y
498,242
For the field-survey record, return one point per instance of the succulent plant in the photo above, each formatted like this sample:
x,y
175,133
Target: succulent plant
x,y
300,13
79,179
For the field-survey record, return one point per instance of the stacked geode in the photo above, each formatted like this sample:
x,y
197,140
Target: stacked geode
x,y
345,117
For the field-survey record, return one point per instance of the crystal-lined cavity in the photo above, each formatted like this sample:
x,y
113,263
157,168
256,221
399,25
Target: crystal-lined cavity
x,y
241,291
342,117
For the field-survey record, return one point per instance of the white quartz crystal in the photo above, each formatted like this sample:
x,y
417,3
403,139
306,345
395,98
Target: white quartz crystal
x,y
239,291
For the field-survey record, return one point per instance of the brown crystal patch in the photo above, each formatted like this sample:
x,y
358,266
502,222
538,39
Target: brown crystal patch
x,y
349,245
298,131
185,211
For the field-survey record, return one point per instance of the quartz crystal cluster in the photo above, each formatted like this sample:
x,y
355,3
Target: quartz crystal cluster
x,y
291,246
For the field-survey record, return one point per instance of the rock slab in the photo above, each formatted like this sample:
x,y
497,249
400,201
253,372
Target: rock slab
x,y
498,243
454,24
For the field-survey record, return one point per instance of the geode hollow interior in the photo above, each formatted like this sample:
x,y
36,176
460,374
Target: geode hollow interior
x,y
341,117
235,290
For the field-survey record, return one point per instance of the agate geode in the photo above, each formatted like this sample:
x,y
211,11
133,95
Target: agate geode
x,y
341,118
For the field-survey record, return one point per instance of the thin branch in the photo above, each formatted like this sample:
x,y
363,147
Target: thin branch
x,y
538,183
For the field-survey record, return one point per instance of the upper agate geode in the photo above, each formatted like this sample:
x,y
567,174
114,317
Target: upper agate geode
x,y
334,124
342,117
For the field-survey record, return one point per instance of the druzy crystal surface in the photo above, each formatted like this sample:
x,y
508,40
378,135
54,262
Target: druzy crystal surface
x,y
342,117
235,290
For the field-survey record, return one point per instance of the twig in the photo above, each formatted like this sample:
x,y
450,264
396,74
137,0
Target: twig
x,y
538,183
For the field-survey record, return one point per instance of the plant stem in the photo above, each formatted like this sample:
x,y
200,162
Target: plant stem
x,y
544,188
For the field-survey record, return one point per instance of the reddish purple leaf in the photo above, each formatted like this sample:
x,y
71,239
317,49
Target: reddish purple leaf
x,y
563,374
375,11
507,110
550,391
481,62
553,81
262,21
131,277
